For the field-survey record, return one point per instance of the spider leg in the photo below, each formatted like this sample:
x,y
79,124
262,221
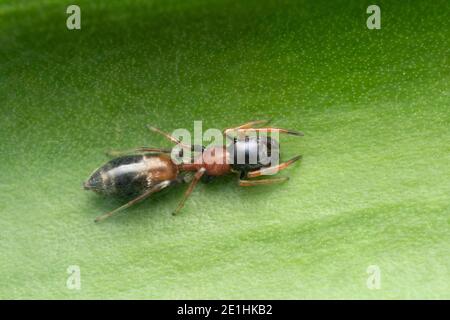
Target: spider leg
x,y
250,183
191,187
140,150
274,169
169,137
270,129
141,197
247,125
175,140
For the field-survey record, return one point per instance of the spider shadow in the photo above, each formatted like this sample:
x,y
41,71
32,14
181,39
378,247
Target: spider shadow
x,y
101,204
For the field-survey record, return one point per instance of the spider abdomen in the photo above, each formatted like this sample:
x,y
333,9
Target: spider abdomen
x,y
132,174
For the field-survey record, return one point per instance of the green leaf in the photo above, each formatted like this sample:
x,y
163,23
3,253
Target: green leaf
x,y
372,188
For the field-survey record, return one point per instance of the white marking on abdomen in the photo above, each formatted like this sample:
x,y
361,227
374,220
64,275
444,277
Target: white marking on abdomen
x,y
137,167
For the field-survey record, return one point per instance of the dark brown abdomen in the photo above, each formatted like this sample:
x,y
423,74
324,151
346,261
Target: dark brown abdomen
x,y
133,174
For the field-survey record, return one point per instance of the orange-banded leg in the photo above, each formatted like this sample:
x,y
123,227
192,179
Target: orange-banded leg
x,y
250,183
141,197
140,150
249,127
169,137
272,170
270,129
191,187
175,140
